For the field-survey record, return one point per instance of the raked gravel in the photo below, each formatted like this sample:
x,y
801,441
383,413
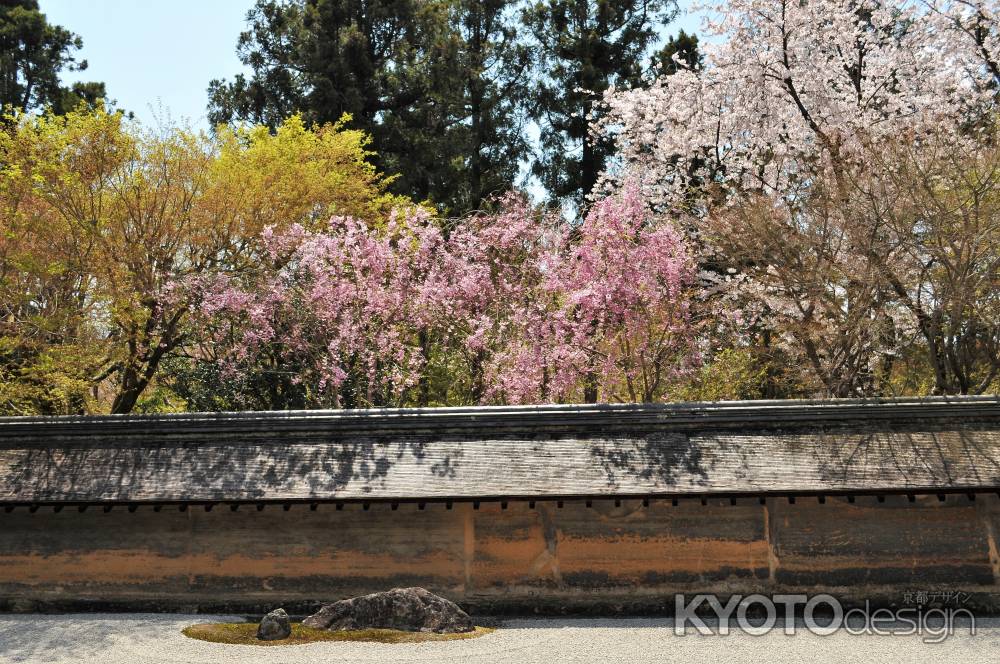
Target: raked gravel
x,y
140,638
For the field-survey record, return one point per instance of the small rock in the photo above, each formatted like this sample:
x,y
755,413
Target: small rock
x,y
274,626
408,609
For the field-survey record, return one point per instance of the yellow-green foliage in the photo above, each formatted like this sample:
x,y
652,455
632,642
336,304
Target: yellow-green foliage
x,y
100,219
48,379
732,375
246,634
297,174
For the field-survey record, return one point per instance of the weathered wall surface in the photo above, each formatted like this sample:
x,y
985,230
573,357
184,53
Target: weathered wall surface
x,y
606,556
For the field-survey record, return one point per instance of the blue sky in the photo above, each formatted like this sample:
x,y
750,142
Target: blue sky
x,y
157,56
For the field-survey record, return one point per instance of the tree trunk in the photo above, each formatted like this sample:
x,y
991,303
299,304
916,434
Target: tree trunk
x,y
476,94
424,383
590,162
590,387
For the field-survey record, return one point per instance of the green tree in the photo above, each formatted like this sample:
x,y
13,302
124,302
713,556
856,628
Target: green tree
x,y
494,74
33,53
585,46
685,47
437,85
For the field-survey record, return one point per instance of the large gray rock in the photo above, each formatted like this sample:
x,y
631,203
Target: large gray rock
x,y
274,626
409,609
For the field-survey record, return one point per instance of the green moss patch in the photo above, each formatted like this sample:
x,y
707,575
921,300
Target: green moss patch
x,y
246,634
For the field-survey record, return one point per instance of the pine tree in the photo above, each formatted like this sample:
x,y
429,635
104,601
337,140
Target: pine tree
x,y
437,84
685,47
33,53
496,67
585,46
